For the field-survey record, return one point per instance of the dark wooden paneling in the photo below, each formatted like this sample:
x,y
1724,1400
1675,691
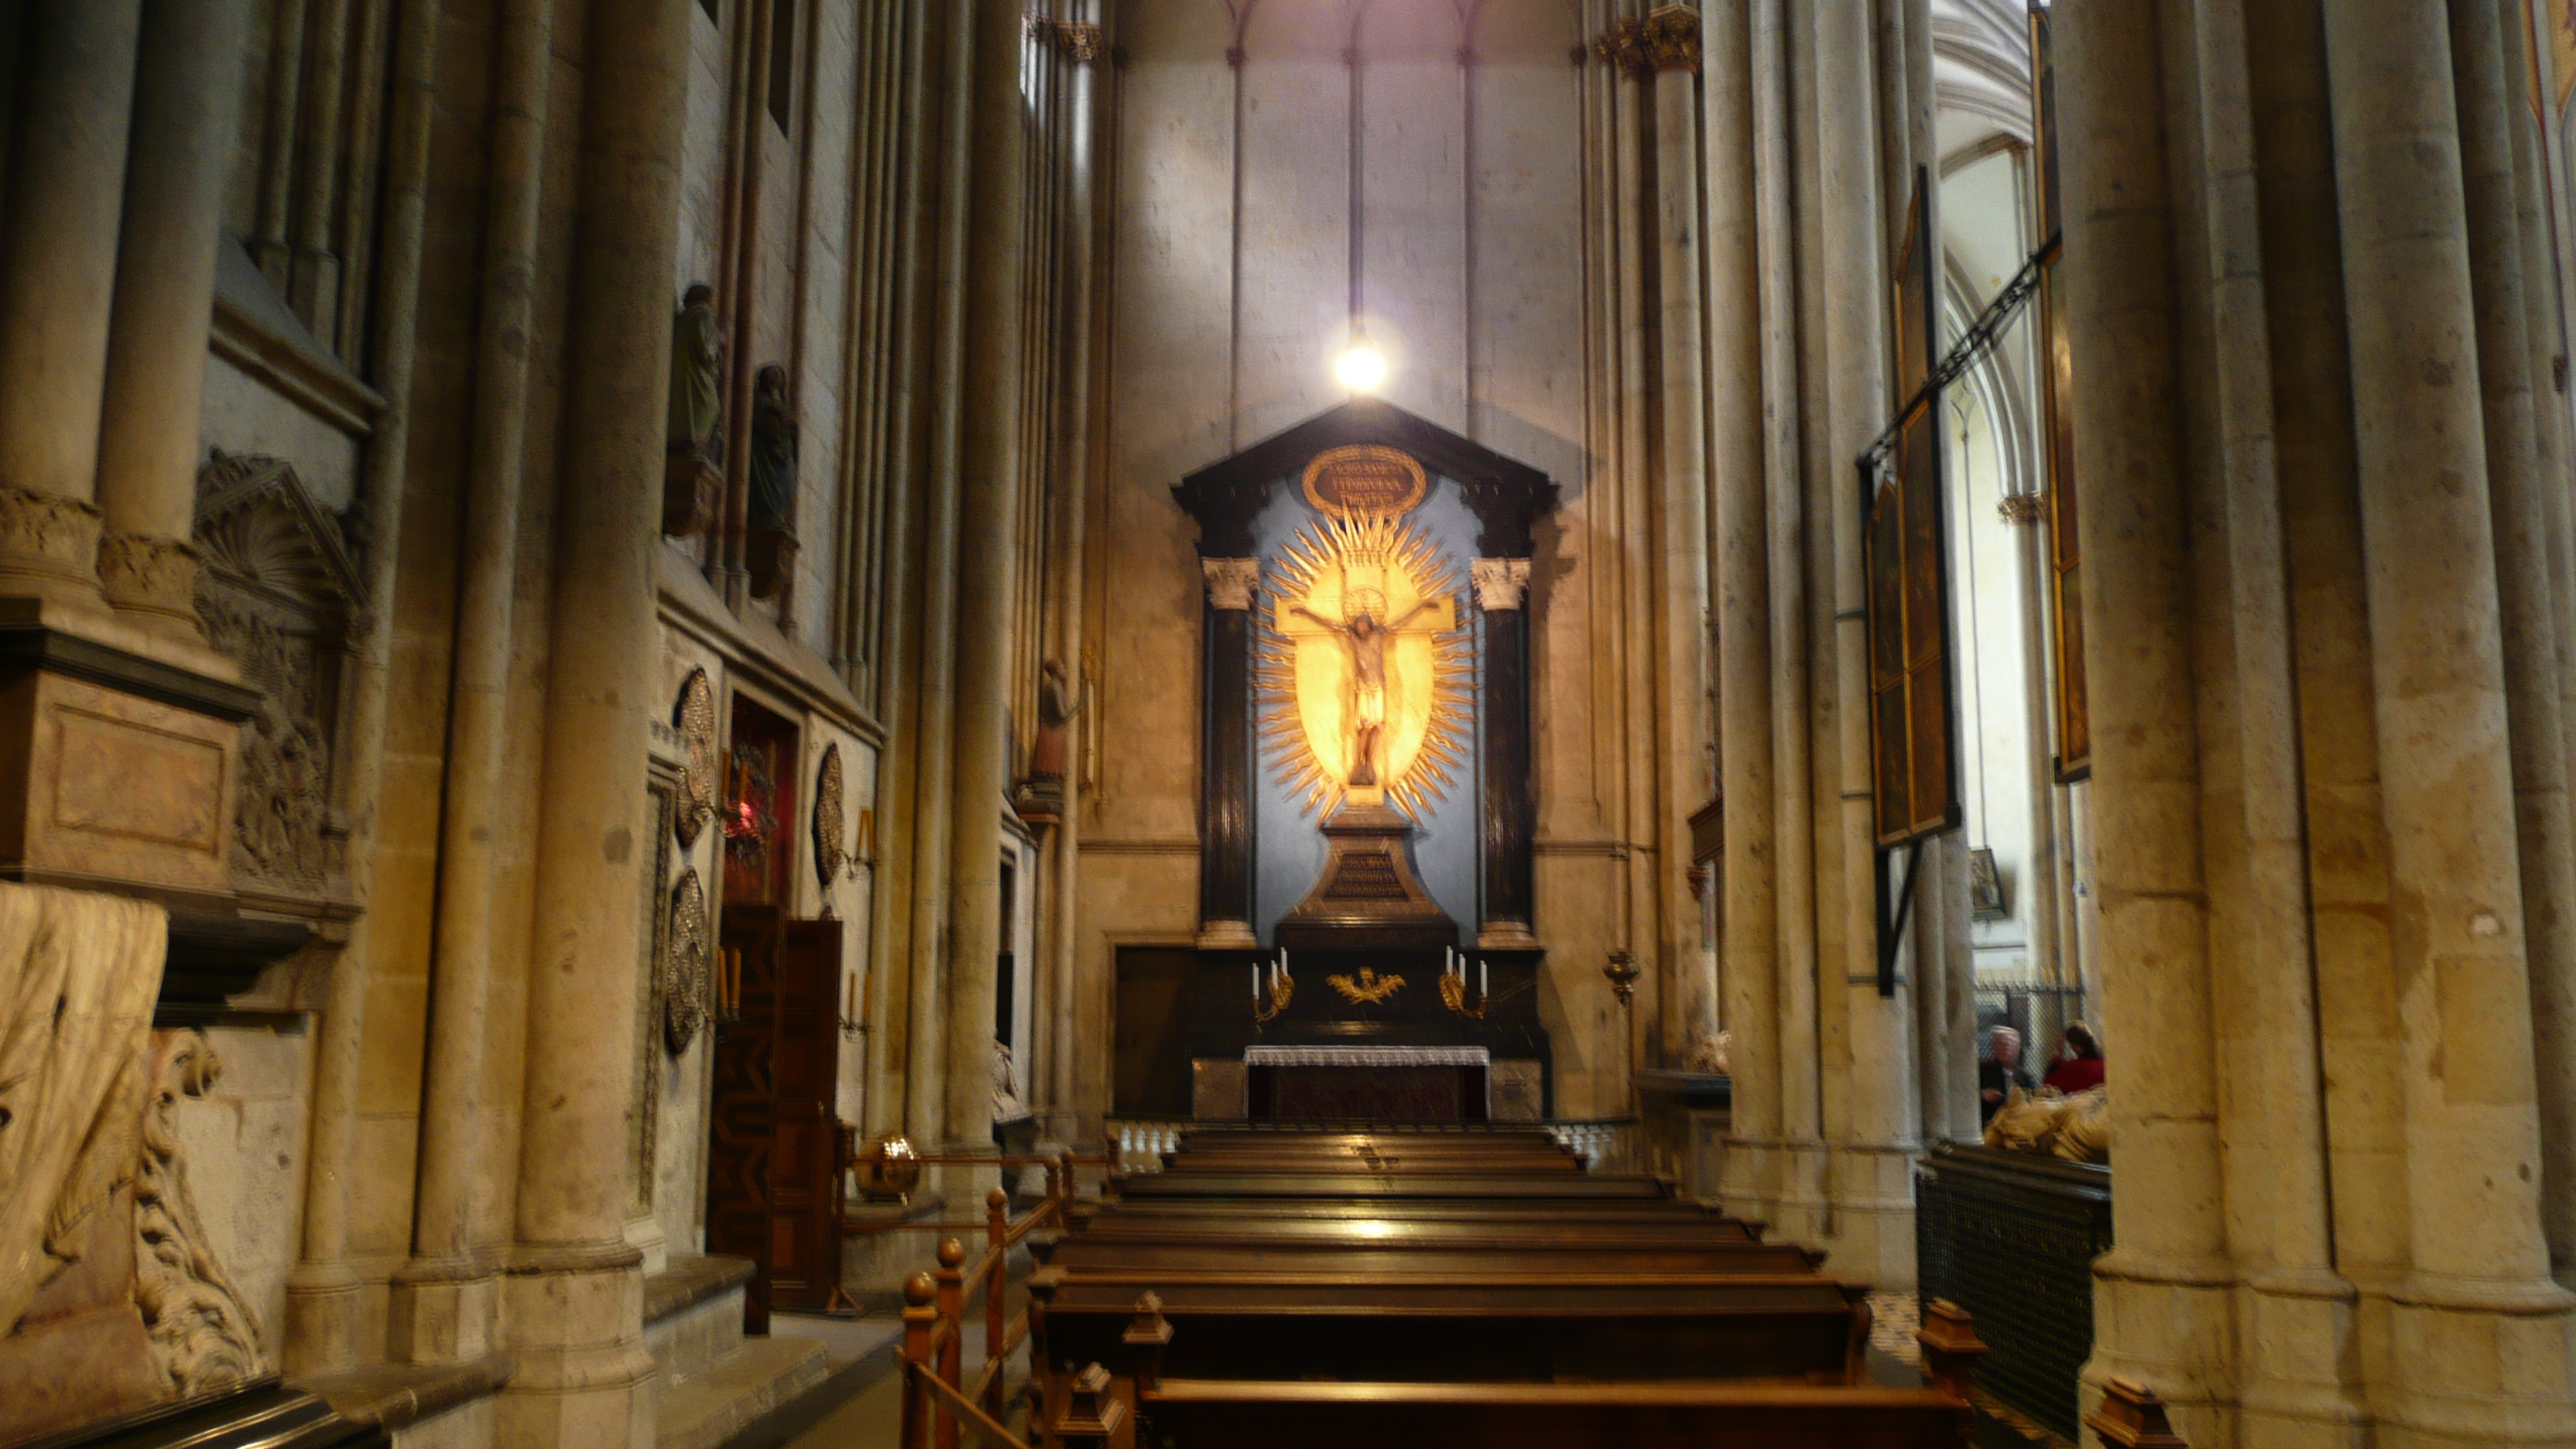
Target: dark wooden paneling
x,y
805,1256
1152,1049
743,1120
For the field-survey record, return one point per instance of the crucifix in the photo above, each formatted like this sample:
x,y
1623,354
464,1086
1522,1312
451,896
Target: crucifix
x,y
1367,640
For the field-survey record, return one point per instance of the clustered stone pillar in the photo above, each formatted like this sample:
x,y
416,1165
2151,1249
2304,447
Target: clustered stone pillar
x,y
2471,1118
187,114
1225,798
2327,815
574,1296
58,264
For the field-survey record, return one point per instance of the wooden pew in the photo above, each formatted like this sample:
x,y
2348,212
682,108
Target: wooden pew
x,y
1396,1186
1380,1222
1533,1152
1795,1327
1581,1247
1200,1414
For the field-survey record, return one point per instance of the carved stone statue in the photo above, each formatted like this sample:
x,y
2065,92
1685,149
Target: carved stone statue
x,y
697,358
771,547
773,450
1041,793
1007,1106
1059,704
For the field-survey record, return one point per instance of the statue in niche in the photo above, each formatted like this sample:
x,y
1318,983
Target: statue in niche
x,y
697,359
1041,795
693,478
771,546
1367,640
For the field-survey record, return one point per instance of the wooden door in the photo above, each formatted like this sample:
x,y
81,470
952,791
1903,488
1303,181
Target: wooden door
x,y
742,1125
805,1243
1153,1053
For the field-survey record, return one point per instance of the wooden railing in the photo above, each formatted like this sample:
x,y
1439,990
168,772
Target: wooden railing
x,y
938,1400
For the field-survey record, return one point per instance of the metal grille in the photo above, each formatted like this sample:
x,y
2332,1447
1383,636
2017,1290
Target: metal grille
x,y
2013,1242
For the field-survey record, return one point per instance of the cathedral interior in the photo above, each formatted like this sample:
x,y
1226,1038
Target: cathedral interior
x,y
1239,722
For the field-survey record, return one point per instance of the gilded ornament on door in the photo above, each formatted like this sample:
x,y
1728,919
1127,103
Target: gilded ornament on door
x,y
694,717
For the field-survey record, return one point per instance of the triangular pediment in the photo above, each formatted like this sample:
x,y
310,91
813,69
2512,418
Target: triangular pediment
x,y
1507,495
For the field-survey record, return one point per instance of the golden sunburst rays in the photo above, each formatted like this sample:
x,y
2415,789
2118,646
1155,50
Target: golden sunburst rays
x,y
1336,569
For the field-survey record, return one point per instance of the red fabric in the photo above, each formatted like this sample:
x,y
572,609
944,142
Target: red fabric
x,y
2075,1074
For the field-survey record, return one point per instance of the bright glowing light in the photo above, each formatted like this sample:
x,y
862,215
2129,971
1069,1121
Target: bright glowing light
x,y
1361,367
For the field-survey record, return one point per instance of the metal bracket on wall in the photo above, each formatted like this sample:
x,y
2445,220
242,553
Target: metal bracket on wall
x,y
1895,902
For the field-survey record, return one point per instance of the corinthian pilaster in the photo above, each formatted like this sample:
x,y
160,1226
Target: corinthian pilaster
x,y
1225,805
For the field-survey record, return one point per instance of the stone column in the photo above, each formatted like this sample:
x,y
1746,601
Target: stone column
x,y
1648,998
188,97
1225,796
1872,1178
1671,40
1082,112
2518,494
1502,592
1799,1206
2553,994
987,564
442,1301
58,257
2298,1375
1740,587
2163,1291
2458,934
324,1293
934,752
574,1298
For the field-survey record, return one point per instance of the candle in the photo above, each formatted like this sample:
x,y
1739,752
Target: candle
x,y
1256,986
1480,977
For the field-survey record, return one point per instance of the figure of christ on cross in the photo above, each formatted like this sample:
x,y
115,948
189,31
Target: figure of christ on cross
x,y
1367,638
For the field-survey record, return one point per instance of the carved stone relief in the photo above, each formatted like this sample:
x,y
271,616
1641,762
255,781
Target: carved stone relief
x,y
277,589
202,1336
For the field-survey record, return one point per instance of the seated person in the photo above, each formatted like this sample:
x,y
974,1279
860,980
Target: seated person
x,y
1999,1071
2079,1062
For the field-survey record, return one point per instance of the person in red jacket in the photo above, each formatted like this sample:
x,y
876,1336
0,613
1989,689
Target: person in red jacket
x,y
2079,1064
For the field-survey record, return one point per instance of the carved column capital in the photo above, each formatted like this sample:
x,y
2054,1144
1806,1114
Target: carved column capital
x,y
1073,39
1231,581
1623,46
2022,508
49,540
157,576
1501,583
1672,38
